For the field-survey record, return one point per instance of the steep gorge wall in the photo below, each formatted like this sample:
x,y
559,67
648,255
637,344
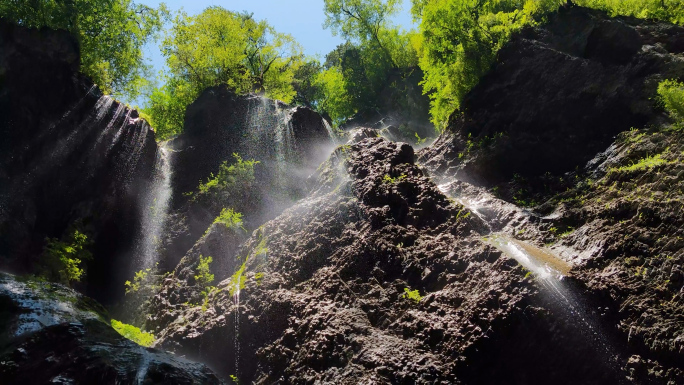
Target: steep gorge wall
x,y
68,155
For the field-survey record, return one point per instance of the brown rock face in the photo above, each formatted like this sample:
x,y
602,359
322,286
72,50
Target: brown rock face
x,y
322,294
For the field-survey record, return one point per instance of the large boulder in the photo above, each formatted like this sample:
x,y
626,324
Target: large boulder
x,y
52,334
320,293
69,157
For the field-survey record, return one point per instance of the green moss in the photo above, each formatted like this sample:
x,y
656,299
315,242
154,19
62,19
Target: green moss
x,y
237,280
645,163
133,333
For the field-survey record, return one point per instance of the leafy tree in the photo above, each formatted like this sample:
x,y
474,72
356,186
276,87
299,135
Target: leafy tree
x,y
221,47
111,34
368,65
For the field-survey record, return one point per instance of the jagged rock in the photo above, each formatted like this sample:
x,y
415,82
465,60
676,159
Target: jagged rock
x,y
67,154
557,96
51,334
321,297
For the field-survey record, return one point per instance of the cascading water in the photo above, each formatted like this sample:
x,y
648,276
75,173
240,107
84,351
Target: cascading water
x,y
155,209
331,132
548,269
236,300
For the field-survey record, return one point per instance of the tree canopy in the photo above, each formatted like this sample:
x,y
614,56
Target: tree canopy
x,y
111,34
375,55
219,47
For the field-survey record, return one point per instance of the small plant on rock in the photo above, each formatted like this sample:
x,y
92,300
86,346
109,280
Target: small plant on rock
x,y
230,218
133,333
413,295
204,277
61,259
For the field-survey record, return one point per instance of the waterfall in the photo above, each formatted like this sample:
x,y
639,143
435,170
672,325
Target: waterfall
x,y
236,335
548,269
331,132
155,203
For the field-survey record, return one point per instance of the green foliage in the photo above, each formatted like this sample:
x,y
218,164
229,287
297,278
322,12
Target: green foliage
x,y
143,281
111,34
133,333
220,47
231,180
372,68
645,163
413,295
668,10
419,140
206,293
61,259
259,277
671,94
204,276
460,39
388,179
230,218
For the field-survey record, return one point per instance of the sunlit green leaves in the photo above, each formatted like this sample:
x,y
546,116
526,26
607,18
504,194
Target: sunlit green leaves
x,y
220,47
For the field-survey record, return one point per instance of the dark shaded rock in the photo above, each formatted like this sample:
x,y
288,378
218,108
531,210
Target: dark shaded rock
x,y
68,155
558,95
289,144
51,334
627,238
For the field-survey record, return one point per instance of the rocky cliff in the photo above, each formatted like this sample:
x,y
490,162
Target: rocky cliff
x,y
69,156
383,275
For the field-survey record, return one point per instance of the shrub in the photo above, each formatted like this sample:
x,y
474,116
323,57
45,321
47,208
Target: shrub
x,y
61,260
204,276
671,95
133,333
143,280
231,180
230,218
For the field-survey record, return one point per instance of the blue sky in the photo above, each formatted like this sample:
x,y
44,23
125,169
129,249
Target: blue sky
x,y
302,19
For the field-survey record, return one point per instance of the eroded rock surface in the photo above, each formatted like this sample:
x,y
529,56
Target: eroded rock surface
x,y
322,292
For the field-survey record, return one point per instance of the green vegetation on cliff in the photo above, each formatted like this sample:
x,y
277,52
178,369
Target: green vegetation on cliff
x,y
460,38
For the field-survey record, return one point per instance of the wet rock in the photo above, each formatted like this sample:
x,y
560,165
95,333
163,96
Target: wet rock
x,y
52,334
322,296
68,155
289,143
